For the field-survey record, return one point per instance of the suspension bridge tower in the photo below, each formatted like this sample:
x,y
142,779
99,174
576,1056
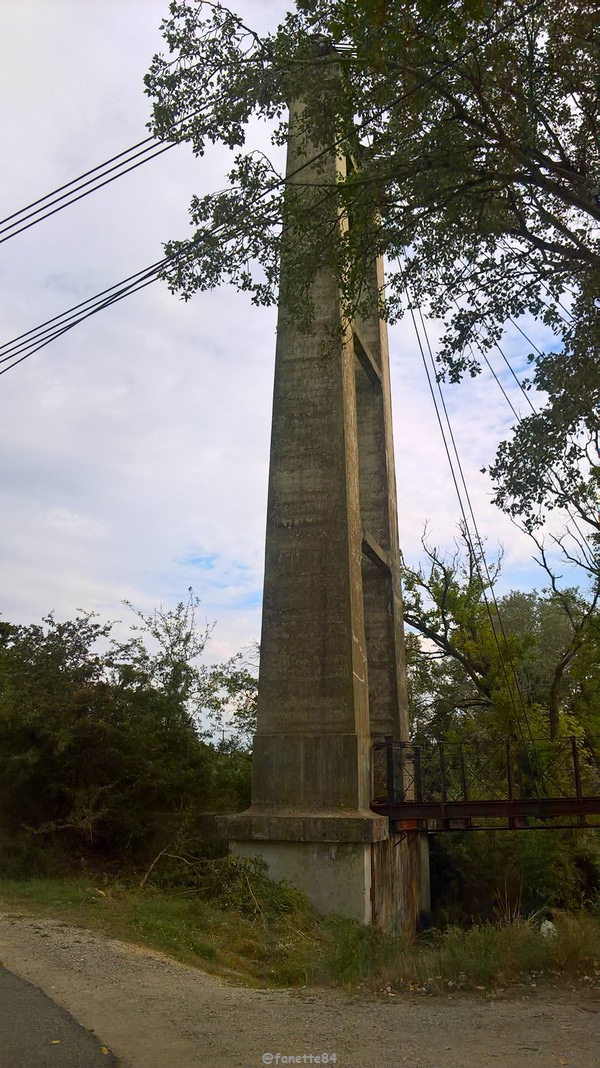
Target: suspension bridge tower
x,y
332,672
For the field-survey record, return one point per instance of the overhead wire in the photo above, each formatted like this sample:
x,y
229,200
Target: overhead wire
x,y
33,340
147,275
154,147
560,304
552,476
500,386
556,486
554,479
477,550
91,180
67,199
555,483
152,143
581,541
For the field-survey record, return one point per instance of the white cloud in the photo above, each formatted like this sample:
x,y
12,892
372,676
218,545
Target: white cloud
x,y
135,448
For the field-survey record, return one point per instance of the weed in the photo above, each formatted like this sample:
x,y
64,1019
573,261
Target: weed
x,y
237,923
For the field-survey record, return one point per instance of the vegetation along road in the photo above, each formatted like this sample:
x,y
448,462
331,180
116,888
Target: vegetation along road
x,y
154,1012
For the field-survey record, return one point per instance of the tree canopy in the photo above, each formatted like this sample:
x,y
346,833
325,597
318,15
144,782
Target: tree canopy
x,y
486,666
107,747
482,670
473,130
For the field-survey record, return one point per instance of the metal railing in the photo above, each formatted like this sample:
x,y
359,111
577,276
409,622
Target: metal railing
x,y
457,785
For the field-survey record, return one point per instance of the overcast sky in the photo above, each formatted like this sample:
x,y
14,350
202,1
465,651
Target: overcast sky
x,y
135,447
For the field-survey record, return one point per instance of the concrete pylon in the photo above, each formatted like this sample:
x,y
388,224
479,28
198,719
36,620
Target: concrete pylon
x,y
332,674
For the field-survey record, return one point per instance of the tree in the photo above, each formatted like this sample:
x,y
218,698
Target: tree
x,y
488,667
482,669
562,630
104,748
467,662
232,708
472,126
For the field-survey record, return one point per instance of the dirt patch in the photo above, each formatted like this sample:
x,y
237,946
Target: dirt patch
x,y
156,1013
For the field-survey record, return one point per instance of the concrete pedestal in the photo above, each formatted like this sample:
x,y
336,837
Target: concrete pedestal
x,y
335,876
377,881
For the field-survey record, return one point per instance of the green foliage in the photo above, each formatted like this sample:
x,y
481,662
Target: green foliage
x,y
487,668
483,875
231,707
473,127
241,885
486,955
480,672
102,759
293,946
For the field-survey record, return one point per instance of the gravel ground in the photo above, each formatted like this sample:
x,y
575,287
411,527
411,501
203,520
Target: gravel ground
x,y
156,1013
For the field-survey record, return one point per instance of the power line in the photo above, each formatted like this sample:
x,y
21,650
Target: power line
x,y
500,386
150,141
31,341
43,337
480,555
63,330
39,330
149,145
553,478
496,344
91,180
41,213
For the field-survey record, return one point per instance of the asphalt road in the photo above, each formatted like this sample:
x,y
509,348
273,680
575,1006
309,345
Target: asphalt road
x,y
37,1033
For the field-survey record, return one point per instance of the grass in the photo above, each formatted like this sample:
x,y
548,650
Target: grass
x,y
279,942
239,925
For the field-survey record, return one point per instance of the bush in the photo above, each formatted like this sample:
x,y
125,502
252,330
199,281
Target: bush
x,y
101,760
480,875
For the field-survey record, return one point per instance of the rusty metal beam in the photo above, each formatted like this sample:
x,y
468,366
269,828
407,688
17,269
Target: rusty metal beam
x,y
536,808
422,825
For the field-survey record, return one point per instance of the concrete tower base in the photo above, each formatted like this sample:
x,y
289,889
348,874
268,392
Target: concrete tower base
x,y
347,865
335,876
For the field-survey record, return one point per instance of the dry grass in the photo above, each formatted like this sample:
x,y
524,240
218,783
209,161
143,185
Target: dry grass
x,y
243,927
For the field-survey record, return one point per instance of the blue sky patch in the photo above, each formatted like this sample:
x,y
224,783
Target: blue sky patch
x,y
204,562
